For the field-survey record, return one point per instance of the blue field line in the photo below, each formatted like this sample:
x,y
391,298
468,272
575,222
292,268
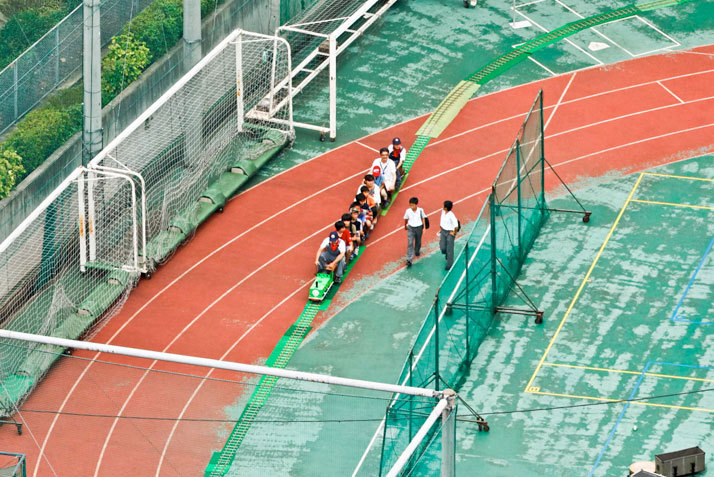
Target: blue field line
x,y
675,314
619,418
629,399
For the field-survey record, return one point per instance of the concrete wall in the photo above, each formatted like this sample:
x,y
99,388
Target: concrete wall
x,y
254,15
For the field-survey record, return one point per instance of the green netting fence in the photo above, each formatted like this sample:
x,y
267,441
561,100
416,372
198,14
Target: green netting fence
x,y
480,280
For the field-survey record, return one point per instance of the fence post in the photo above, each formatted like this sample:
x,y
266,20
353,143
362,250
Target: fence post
x,y
518,193
57,58
448,436
15,67
411,401
466,296
436,340
542,153
494,264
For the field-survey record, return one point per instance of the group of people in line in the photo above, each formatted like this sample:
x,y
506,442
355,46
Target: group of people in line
x,y
375,193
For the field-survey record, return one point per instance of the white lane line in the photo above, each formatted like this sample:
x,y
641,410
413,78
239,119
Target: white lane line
x,y
670,92
368,147
560,101
551,72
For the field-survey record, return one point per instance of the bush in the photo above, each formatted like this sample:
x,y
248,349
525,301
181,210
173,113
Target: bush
x,y
41,132
126,59
10,171
25,28
159,26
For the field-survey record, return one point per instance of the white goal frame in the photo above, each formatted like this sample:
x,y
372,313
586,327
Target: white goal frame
x,y
334,49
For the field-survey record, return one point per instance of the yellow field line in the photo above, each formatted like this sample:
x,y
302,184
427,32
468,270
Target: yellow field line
x,y
672,406
678,177
575,396
585,280
673,204
623,371
641,403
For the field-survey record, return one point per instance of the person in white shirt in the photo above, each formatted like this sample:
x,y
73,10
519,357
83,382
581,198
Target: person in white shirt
x,y
449,226
397,153
330,256
388,174
414,225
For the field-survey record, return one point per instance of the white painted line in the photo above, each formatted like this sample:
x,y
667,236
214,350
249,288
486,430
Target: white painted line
x,y
560,101
565,39
670,92
552,73
368,147
652,25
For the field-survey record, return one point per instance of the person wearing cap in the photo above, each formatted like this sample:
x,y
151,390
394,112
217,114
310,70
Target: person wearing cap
x,y
387,172
397,153
449,226
330,256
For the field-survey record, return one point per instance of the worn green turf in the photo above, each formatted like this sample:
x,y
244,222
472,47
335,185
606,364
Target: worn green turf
x,y
621,324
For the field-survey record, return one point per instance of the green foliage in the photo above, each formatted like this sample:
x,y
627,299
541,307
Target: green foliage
x,y
13,7
41,132
10,171
159,26
65,97
24,28
208,6
126,59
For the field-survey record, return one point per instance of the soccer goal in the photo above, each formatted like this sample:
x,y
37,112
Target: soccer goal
x,y
66,268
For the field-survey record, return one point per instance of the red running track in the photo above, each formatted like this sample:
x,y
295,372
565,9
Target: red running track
x,y
233,291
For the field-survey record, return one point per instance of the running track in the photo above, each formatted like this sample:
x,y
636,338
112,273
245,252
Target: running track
x,y
234,290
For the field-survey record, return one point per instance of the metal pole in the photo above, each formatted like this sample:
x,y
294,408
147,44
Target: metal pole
x,y
411,401
218,364
333,86
436,341
494,263
518,194
466,296
57,59
92,107
191,33
448,436
15,67
542,153
420,435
